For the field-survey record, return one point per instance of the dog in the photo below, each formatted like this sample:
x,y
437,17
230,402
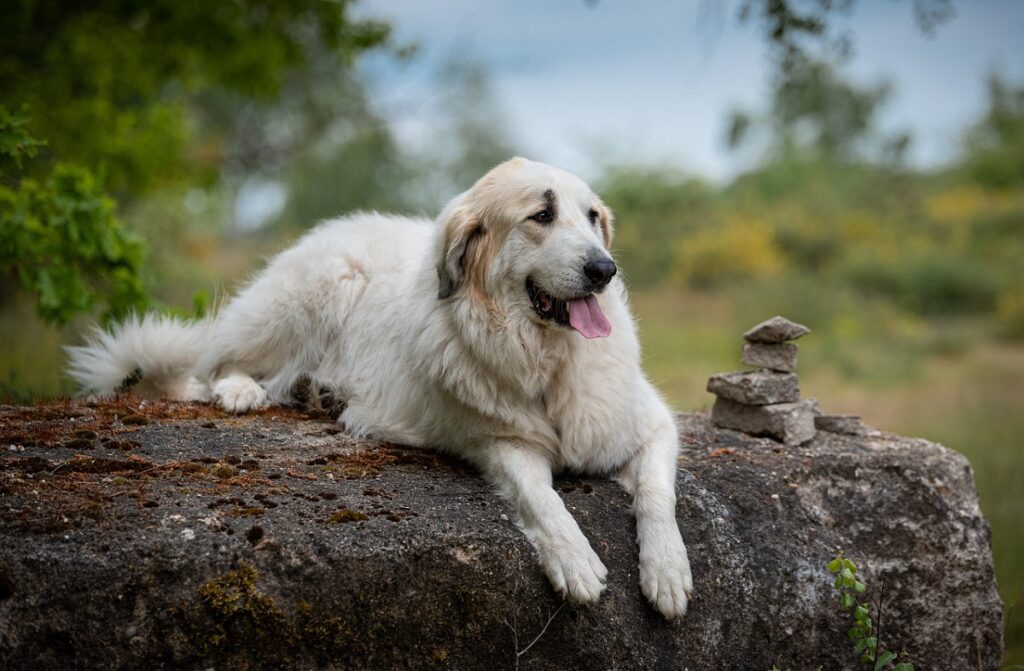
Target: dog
x,y
499,332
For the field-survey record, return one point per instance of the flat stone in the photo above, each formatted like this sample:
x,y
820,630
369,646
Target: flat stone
x,y
756,387
776,330
851,425
779,356
789,423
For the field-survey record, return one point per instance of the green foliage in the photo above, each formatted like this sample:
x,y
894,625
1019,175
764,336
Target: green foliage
x,y
929,282
362,167
361,173
15,142
134,97
864,634
114,85
816,210
995,145
815,112
60,237
655,210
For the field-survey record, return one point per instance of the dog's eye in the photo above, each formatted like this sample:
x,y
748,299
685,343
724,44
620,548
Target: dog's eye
x,y
592,215
542,217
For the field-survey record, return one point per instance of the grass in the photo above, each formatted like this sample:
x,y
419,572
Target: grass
x,y
948,382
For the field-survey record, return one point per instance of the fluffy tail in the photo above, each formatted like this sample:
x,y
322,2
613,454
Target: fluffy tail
x,y
155,352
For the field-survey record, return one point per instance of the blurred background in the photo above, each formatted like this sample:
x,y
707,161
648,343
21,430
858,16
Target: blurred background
x,y
857,166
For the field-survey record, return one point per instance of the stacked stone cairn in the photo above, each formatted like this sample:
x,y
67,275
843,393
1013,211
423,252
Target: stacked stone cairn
x,y
766,401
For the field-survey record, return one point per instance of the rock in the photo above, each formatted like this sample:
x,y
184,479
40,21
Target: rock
x,y
848,424
776,330
439,577
779,357
790,423
759,387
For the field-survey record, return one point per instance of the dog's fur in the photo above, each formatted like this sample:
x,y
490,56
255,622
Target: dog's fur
x,y
428,335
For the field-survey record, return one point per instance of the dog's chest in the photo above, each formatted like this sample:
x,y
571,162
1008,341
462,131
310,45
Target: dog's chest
x,y
593,428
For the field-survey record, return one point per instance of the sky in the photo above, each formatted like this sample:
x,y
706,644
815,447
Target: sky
x,y
581,84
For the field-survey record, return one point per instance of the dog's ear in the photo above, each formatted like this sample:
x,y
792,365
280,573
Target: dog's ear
x,y
605,218
460,228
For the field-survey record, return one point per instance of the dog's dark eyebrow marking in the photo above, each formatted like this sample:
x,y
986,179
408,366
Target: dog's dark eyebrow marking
x,y
551,202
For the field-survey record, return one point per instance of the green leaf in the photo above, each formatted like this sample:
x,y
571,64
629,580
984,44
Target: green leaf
x,y
835,565
847,600
904,666
884,658
859,587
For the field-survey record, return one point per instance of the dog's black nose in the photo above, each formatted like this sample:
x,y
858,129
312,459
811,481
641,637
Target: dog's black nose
x,y
600,271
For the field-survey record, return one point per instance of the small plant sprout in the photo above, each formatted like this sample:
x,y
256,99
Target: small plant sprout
x,y
864,633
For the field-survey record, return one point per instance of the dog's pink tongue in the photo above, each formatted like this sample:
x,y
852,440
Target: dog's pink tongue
x,y
586,316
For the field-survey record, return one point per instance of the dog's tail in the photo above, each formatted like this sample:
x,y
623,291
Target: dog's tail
x,y
156,352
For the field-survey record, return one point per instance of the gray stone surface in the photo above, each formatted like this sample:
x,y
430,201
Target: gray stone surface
x,y
779,357
756,387
776,330
849,424
790,423
168,537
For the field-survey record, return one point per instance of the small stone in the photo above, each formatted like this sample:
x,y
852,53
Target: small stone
x,y
815,406
758,387
849,424
776,330
780,356
789,423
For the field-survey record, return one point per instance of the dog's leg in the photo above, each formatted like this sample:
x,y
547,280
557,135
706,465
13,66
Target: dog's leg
x,y
524,478
238,392
650,476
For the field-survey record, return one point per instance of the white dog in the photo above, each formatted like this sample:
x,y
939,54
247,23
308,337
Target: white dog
x,y
499,333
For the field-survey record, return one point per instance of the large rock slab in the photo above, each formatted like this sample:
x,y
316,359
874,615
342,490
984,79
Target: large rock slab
x,y
165,537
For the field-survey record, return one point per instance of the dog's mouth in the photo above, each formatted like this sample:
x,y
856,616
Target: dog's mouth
x,y
583,313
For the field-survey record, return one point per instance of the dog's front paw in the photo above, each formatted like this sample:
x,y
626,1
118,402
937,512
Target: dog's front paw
x,y
575,571
665,578
239,393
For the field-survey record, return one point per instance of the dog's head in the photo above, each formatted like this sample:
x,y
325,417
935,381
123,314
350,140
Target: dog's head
x,y
531,238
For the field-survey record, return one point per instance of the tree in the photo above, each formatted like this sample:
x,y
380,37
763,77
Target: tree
x,y
994,147
798,31
814,112
117,90
59,236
